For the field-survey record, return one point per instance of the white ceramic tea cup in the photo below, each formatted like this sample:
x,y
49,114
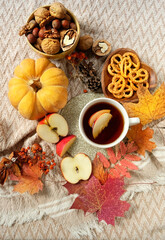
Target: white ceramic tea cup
x,y
127,121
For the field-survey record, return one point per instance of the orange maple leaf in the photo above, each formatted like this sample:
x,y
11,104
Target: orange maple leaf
x,y
150,107
141,138
30,180
98,170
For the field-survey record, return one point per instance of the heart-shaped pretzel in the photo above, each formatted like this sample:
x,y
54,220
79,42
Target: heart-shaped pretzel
x,y
139,76
134,59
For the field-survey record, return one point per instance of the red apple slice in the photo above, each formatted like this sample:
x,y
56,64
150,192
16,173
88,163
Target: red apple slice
x,y
100,123
63,146
51,127
96,115
76,168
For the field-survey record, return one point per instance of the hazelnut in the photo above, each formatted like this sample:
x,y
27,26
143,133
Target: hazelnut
x,y
35,32
101,47
31,38
68,17
56,24
58,10
50,46
73,26
85,43
65,24
41,32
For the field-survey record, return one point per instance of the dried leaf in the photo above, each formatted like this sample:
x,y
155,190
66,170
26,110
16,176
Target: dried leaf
x,y
98,169
150,107
103,199
30,180
141,138
3,175
16,170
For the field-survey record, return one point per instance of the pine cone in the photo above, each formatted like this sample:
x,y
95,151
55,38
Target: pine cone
x,y
94,84
89,76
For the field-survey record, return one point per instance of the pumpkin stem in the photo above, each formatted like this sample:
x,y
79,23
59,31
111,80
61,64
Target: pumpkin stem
x,y
35,84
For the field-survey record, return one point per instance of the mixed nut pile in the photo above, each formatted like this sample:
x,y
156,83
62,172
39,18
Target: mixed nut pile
x,y
52,30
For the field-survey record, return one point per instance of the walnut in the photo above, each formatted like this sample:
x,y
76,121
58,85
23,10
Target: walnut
x,y
41,14
101,47
50,46
28,27
38,44
52,33
45,21
85,43
58,10
68,39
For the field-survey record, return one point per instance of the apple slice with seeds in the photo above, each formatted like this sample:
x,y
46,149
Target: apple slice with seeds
x,y
63,145
96,115
100,123
51,127
76,168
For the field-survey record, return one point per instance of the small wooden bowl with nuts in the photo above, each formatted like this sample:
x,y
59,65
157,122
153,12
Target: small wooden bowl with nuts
x,y
52,31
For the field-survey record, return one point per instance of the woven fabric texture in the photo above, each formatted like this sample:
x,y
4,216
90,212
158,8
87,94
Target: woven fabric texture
x,y
134,24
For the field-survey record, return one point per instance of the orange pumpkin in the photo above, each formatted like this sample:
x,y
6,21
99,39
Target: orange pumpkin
x,y
38,87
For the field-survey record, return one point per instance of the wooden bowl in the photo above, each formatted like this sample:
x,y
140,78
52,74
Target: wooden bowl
x,y
106,78
59,55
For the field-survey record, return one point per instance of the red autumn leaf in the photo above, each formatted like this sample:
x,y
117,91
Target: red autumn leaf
x,y
103,199
104,160
30,180
98,169
123,152
78,188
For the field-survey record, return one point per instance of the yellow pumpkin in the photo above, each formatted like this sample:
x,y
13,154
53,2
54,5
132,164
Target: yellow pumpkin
x,y
38,87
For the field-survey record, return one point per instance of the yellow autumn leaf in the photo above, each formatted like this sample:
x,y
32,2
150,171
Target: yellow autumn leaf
x,y
150,106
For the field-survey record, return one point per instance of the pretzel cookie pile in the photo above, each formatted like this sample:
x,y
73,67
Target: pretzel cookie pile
x,y
127,75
